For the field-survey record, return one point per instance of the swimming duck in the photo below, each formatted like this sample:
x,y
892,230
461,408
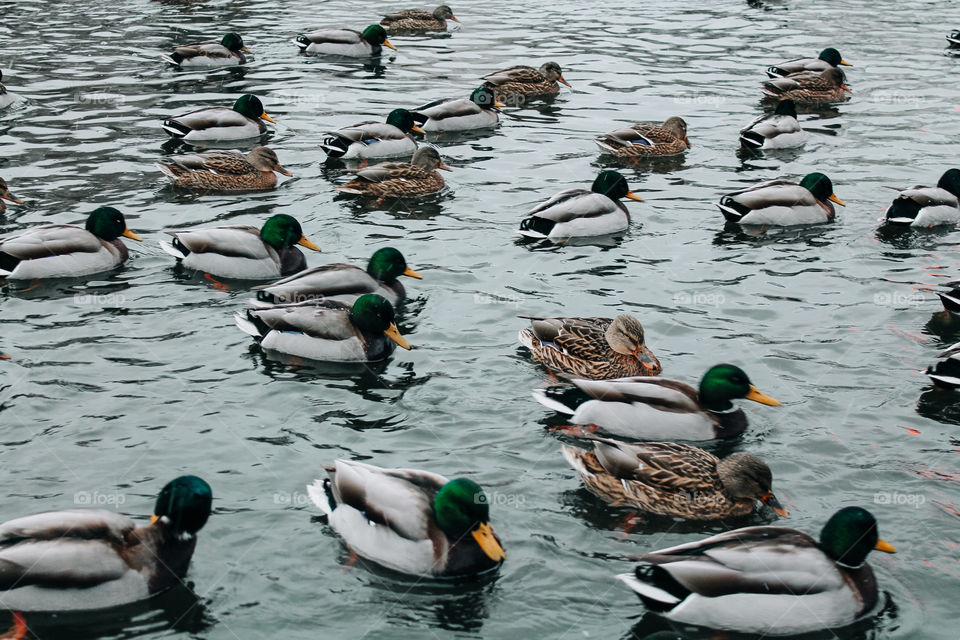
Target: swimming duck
x,y
66,251
777,130
342,282
521,80
374,139
412,521
243,121
82,559
946,373
6,99
782,202
829,58
479,111
225,170
346,42
6,195
953,40
326,331
593,348
672,479
772,581
400,179
229,51
808,87
578,212
928,206
243,252
646,139
416,20
658,408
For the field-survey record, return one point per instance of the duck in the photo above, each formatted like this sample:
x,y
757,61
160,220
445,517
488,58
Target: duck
x,y
953,40
777,130
342,282
6,98
225,170
67,251
480,111
515,83
951,297
767,580
580,213
782,202
945,374
673,479
928,206
409,520
648,408
326,330
646,139
228,52
592,348
346,42
243,252
400,179
6,195
84,559
241,122
367,140
829,58
417,20
808,87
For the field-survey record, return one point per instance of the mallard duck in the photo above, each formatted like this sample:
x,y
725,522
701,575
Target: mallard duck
x,y
593,348
6,98
808,87
946,373
82,559
782,202
243,252
953,40
412,521
525,81
646,139
777,130
374,139
479,111
928,206
658,408
672,479
243,121
342,282
225,170
579,213
829,58
66,251
346,42
414,20
6,195
326,331
772,581
229,51
400,179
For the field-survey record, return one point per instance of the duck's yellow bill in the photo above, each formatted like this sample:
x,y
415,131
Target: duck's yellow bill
x,y
394,334
264,116
130,234
303,242
885,546
244,49
560,79
154,519
834,198
417,128
386,43
410,273
845,63
758,396
483,534
633,196
498,104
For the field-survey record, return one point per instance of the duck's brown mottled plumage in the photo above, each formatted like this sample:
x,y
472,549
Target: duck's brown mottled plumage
x,y
525,81
414,20
225,170
808,87
400,179
646,139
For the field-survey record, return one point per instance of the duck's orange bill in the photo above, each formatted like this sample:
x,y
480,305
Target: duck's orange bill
x,y
560,79
846,88
444,167
483,534
9,196
845,63
4,356
303,242
498,104
834,198
454,19
885,546
264,116
410,273
771,501
386,43
758,396
154,519
244,49
394,334
283,171
130,234
631,195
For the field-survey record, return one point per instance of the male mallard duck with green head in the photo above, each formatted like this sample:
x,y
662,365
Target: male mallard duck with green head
x,y
808,87
648,408
412,521
241,122
228,52
782,202
326,331
413,21
367,140
829,58
225,170
342,282
243,252
346,42
6,195
419,177
525,81
646,139
777,130
771,581
66,251
479,111
928,206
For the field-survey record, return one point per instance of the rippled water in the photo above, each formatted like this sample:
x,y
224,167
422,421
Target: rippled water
x,y
121,382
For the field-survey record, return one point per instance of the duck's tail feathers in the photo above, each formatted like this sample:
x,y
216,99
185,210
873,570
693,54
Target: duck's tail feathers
x,y
903,211
546,399
536,227
731,209
527,339
319,493
653,597
172,250
171,59
166,170
175,129
334,147
776,72
351,190
751,139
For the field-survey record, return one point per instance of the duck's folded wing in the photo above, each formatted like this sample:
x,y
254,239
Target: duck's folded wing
x,y
212,117
519,73
783,193
334,36
326,320
50,240
223,163
207,49
330,279
664,465
449,108
390,171
626,137
930,196
581,339
794,81
364,131
235,242
663,393
67,562
573,203
89,524
408,14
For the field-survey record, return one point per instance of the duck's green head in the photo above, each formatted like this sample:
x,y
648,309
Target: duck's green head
x,y
850,535
376,35
108,224
614,186
375,314
250,106
950,181
725,382
786,108
461,508
821,188
484,98
184,504
832,57
388,264
282,231
233,42
403,120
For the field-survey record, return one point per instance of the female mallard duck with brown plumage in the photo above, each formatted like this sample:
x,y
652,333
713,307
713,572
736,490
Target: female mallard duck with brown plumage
x,y
809,87
416,20
400,179
225,170
525,81
646,139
